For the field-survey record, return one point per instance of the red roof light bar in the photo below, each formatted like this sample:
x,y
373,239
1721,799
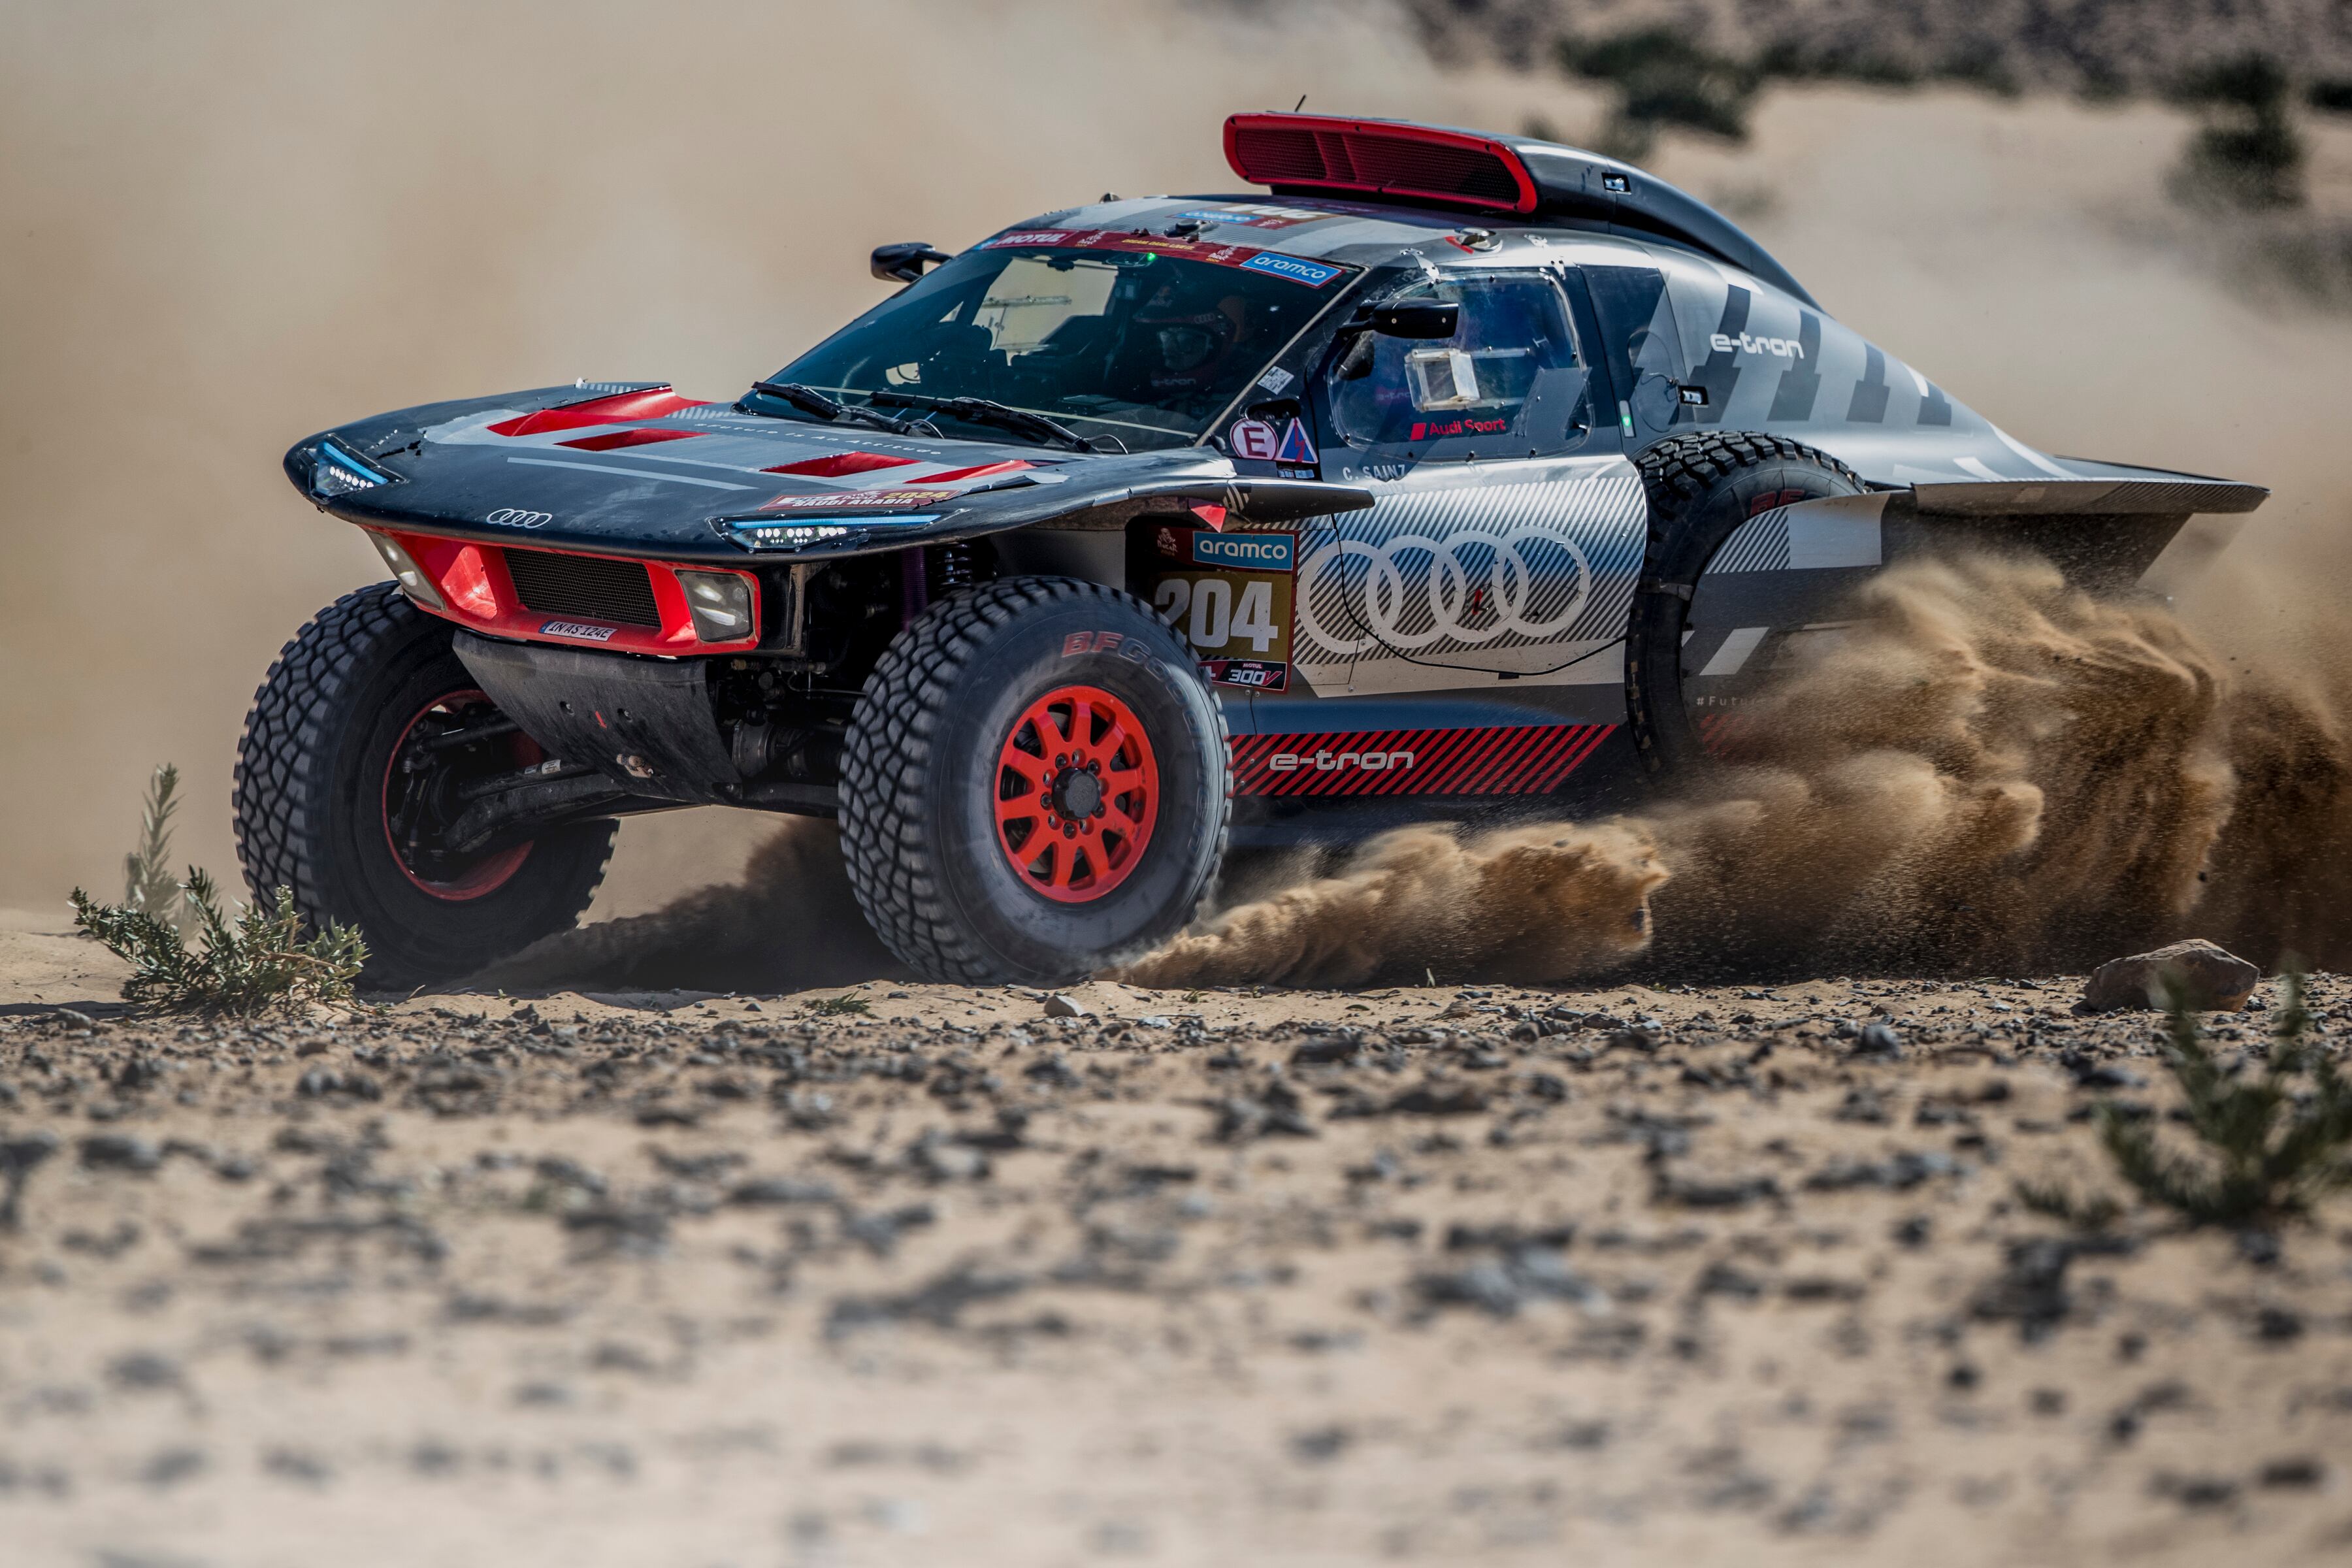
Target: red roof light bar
x,y
1383,157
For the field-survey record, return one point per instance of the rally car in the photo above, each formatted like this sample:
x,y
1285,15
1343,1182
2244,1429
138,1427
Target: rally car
x,y
1445,474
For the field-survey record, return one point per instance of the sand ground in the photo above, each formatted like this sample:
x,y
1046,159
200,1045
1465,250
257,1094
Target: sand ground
x,y
1448,1275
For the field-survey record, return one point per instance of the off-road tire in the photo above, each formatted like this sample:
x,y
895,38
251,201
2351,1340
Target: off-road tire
x,y
309,793
918,781
1702,487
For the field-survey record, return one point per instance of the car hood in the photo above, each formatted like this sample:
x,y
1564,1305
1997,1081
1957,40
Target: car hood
x,y
635,469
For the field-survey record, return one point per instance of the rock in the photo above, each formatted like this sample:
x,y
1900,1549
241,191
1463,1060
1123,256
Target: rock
x,y
1878,1040
2212,978
1060,1005
119,1152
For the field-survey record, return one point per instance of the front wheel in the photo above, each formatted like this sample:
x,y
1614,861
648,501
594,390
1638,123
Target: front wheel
x,y
355,758
1033,785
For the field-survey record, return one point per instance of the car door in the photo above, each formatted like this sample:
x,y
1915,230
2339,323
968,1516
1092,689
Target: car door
x,y
1505,528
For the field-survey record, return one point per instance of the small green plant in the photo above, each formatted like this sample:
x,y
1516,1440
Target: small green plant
x,y
838,1006
148,885
2268,1145
259,960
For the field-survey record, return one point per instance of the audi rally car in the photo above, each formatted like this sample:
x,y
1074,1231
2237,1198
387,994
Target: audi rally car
x,y
1444,474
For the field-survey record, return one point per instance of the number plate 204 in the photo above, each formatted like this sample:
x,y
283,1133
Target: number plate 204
x,y
1230,617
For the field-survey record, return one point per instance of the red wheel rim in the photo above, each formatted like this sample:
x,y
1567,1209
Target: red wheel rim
x,y
1078,790
480,878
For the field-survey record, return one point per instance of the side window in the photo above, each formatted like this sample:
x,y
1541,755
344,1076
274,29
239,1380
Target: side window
x,y
1510,382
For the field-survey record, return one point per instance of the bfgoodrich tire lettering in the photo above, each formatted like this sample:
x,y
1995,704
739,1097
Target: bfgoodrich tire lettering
x,y
309,800
1701,487
919,771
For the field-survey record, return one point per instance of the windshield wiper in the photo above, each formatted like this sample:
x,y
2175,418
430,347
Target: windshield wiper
x,y
809,400
988,411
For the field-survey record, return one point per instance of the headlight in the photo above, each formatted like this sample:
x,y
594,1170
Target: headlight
x,y
412,580
338,473
721,605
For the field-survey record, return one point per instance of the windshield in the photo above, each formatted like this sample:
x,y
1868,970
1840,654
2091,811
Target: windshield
x,y
1115,336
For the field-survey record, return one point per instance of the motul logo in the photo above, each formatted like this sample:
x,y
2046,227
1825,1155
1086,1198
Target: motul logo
x,y
1325,763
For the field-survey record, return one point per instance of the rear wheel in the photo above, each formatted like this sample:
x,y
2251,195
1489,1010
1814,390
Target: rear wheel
x,y
1703,488
1033,785
355,759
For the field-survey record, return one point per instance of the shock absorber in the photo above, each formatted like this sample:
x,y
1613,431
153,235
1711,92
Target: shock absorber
x,y
953,569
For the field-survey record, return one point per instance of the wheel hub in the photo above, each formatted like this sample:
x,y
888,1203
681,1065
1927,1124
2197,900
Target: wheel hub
x,y
423,784
1078,790
1078,796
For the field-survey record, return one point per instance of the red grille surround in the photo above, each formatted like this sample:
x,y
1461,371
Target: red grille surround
x,y
1321,152
480,591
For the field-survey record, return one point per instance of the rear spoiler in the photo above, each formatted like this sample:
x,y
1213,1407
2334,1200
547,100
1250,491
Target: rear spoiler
x,y
2104,533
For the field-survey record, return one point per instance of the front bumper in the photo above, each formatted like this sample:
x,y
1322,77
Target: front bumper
x,y
479,591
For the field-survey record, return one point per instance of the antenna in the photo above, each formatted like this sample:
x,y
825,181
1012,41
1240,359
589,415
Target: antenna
x,y
1300,104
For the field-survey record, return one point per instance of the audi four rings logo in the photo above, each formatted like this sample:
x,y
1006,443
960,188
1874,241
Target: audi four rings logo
x,y
512,518
1413,591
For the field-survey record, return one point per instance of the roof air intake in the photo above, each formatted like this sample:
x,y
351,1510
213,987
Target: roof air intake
x,y
1316,151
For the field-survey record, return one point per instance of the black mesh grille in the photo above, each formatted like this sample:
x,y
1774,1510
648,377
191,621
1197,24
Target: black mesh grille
x,y
584,585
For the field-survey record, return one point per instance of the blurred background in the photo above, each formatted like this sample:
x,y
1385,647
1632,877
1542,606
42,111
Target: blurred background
x,y
2119,229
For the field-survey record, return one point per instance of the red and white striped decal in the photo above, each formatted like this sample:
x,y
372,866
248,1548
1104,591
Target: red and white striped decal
x,y
1514,759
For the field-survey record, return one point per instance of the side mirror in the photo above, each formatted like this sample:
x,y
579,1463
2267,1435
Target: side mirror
x,y
1417,319
904,262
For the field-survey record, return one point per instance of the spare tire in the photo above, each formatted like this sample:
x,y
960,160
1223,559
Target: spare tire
x,y
1702,489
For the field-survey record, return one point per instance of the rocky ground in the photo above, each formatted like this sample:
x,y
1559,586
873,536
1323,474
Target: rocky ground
x,y
912,1274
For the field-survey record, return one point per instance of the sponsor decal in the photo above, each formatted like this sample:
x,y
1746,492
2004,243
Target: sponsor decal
x,y
1257,214
1747,343
1323,761
1439,429
1275,380
514,516
583,630
1298,269
787,535
1505,760
1250,674
1254,440
1168,544
861,501
1297,445
1248,552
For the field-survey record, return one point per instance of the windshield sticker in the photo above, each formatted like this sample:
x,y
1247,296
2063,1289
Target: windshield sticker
x,y
1297,268
1257,214
1256,439
1275,380
859,500
1297,445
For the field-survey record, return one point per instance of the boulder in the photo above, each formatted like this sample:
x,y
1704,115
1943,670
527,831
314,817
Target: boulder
x,y
2213,978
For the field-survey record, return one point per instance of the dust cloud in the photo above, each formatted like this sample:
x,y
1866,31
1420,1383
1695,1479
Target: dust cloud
x,y
1994,774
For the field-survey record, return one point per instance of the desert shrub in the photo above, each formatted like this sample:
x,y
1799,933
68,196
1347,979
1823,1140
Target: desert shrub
x,y
2267,1144
2248,154
1665,80
148,885
259,960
